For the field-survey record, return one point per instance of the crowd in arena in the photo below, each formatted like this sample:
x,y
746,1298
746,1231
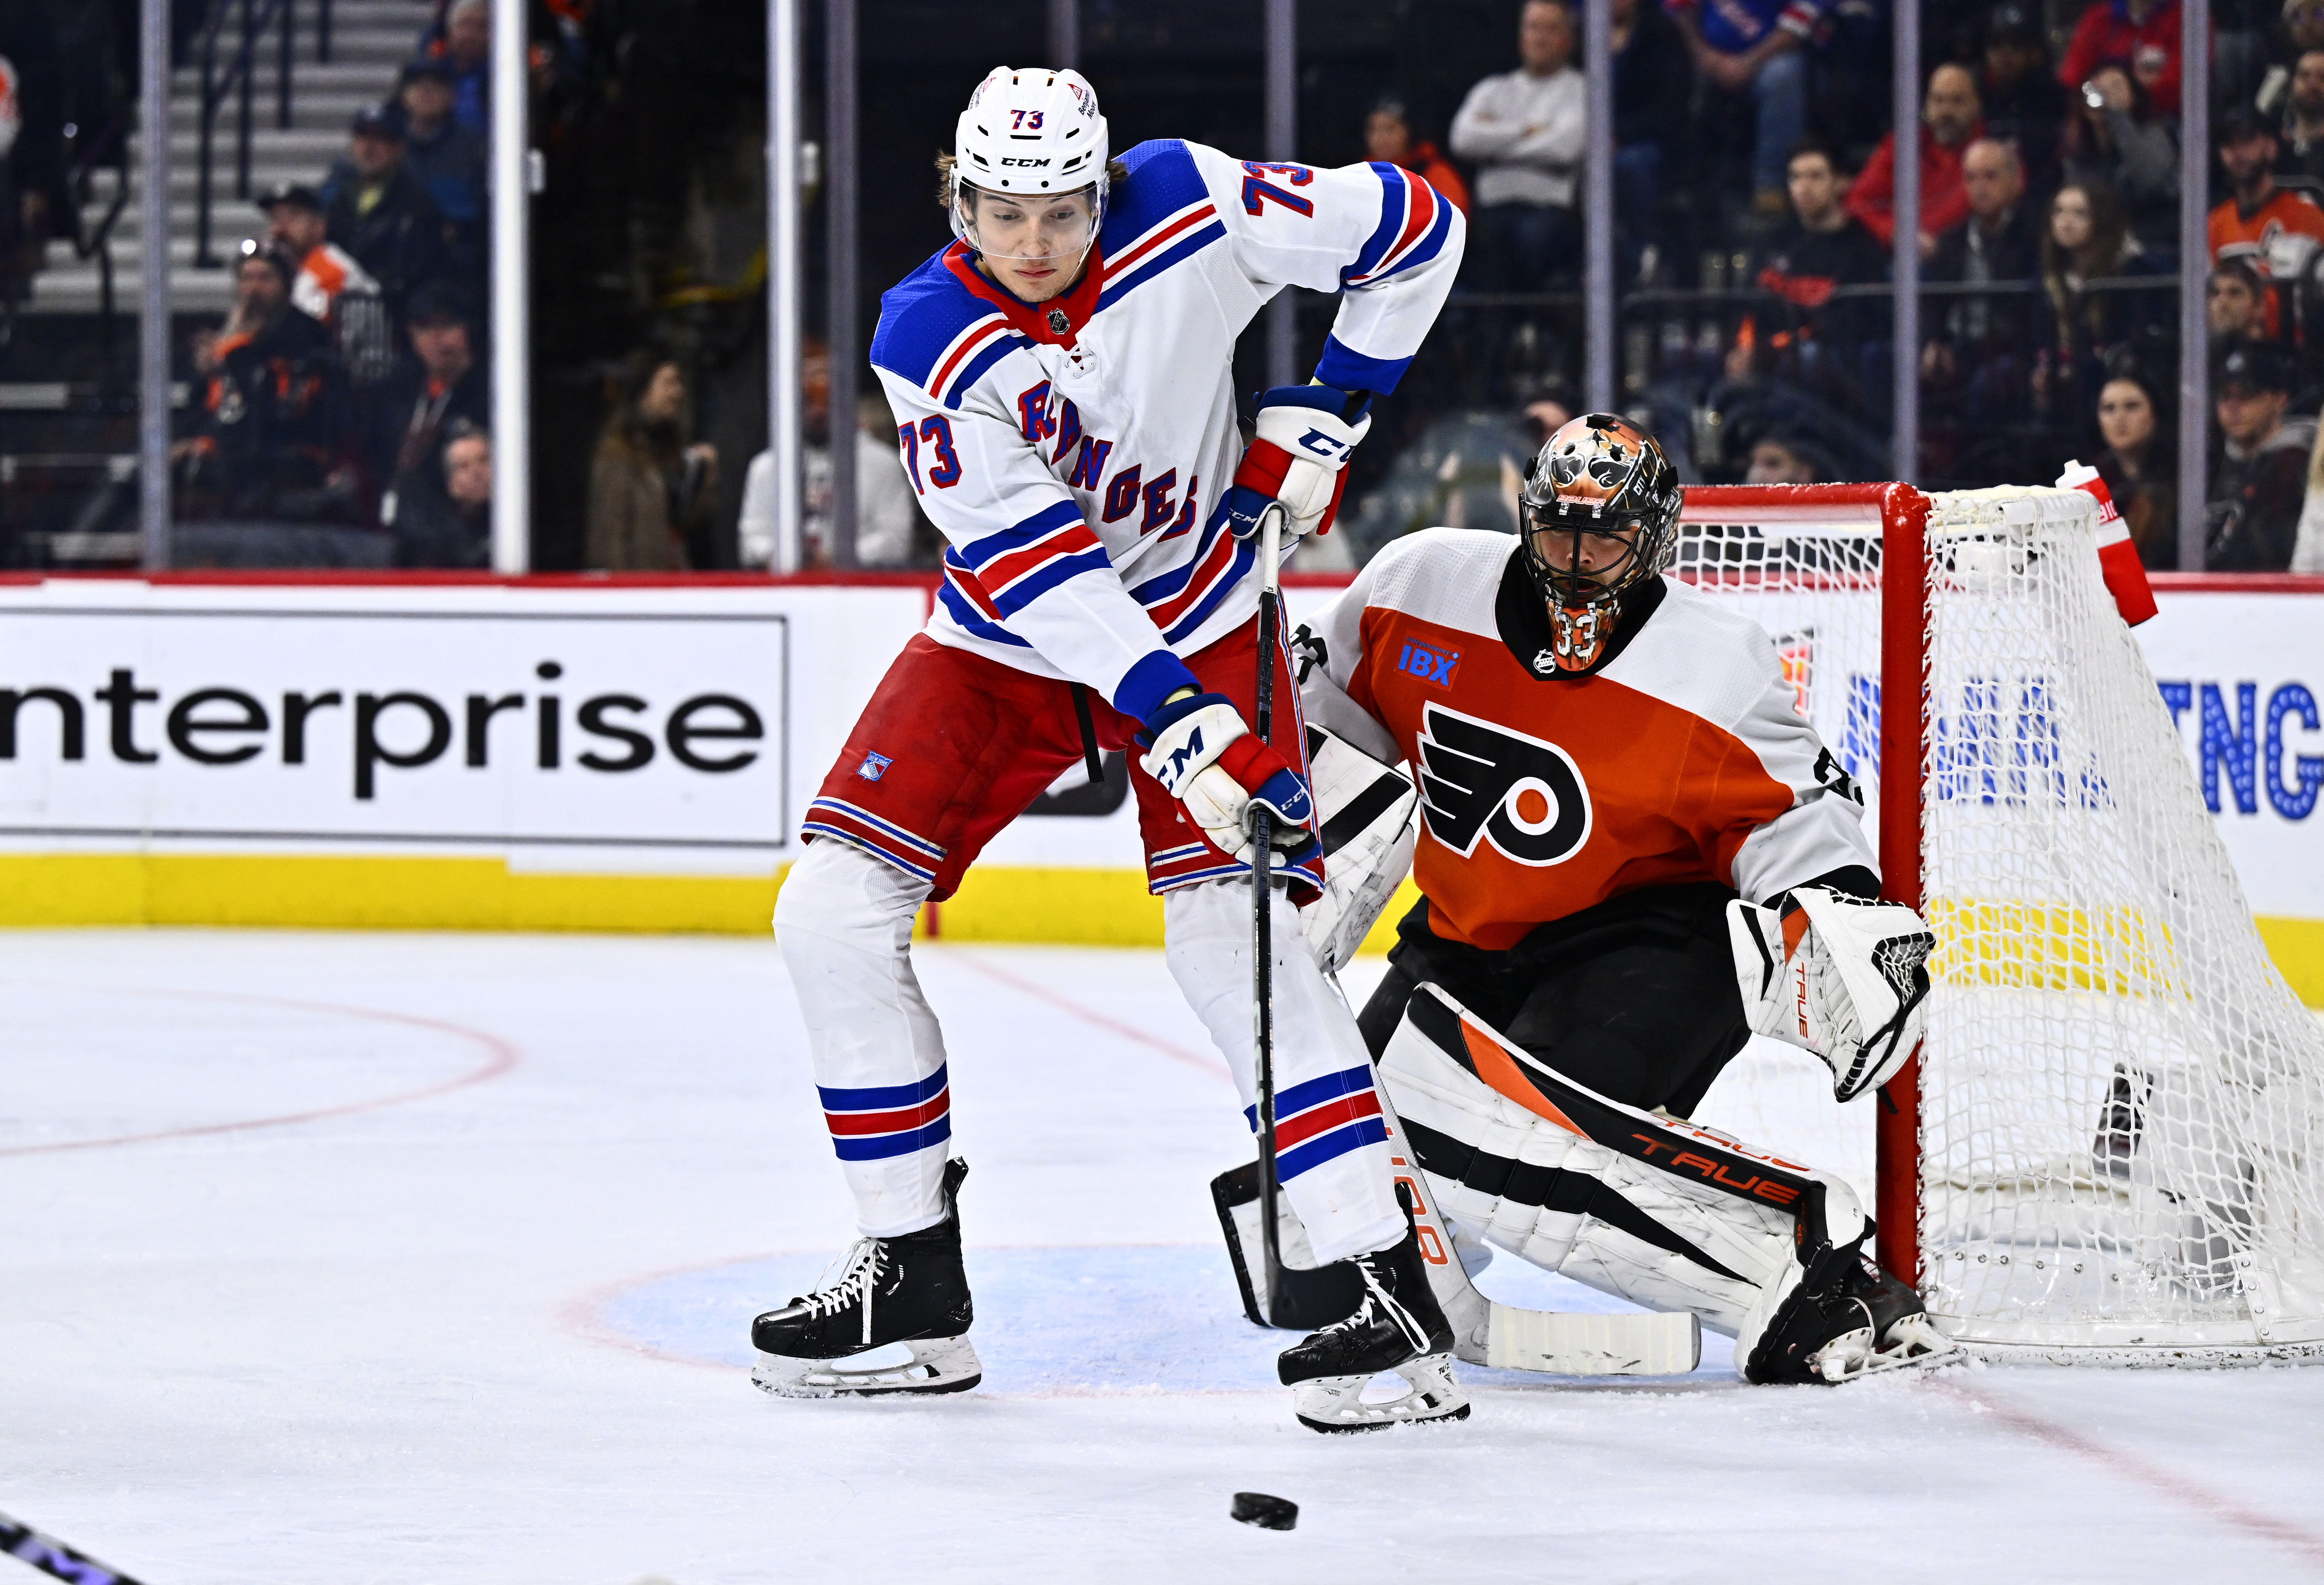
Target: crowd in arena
x,y
1755,177
350,384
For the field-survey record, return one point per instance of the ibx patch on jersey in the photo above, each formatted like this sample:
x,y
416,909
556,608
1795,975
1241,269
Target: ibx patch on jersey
x,y
1429,664
1480,781
874,767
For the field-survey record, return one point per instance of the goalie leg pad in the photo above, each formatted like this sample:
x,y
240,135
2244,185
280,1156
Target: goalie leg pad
x,y
1659,1211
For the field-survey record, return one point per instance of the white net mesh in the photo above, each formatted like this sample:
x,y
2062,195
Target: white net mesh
x,y
2122,1104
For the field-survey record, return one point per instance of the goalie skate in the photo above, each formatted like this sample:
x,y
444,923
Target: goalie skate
x,y
1397,1328
1861,1323
909,1291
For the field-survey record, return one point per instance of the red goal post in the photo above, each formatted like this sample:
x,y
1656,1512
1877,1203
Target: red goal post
x,y
1903,514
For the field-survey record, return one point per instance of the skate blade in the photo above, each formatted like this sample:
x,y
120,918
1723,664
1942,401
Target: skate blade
x,y
1913,1344
944,1364
1335,1405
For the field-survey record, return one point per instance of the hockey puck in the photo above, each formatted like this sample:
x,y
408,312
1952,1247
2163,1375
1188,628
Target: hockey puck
x,y
1268,1513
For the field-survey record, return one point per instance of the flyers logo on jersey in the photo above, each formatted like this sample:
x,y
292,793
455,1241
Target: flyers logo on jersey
x,y
1480,781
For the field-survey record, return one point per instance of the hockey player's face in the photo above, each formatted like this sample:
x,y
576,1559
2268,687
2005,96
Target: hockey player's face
x,y
1035,248
1587,559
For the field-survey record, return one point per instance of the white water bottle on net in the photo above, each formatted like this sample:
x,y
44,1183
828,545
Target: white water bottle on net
x,y
2111,1150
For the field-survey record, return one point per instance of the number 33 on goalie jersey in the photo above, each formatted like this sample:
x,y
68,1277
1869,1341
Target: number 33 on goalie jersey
x,y
1682,760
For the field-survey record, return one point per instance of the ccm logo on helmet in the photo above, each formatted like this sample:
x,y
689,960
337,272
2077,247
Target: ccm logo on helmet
x,y
1030,164
1482,781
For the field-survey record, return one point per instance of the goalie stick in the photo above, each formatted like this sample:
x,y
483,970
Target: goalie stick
x,y
20,1540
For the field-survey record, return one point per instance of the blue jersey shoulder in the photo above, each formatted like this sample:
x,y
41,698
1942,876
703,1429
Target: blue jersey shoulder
x,y
1163,179
919,317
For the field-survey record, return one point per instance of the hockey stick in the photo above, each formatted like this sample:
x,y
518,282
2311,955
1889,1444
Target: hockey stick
x,y
45,1552
1262,865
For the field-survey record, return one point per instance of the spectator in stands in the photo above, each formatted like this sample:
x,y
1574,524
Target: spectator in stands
x,y
2026,105
1653,84
35,194
2275,229
378,212
2086,241
2234,303
446,518
269,445
444,381
1977,368
2262,479
445,157
2137,464
329,285
1524,129
2303,27
1805,337
1951,119
2301,143
2115,138
651,495
1388,139
887,515
2142,33
1779,459
463,41
1754,50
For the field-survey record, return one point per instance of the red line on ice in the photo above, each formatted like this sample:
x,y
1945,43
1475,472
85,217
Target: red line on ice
x,y
2152,1476
503,1057
1169,1049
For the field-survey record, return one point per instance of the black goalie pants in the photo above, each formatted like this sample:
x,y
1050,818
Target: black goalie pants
x,y
1635,997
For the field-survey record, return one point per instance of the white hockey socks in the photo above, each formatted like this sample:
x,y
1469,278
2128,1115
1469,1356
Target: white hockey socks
x,y
843,923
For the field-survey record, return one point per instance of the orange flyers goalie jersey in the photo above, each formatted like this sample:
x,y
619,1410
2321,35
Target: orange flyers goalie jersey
x,y
1680,757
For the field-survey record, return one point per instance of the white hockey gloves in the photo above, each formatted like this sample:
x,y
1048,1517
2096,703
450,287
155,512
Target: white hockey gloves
x,y
1368,832
1198,748
1844,978
1298,457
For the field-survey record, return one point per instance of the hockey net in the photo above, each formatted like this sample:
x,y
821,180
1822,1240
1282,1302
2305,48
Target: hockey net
x,y
2111,1148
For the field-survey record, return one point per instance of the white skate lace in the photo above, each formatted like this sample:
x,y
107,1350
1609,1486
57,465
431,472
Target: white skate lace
x,y
860,1280
1376,1295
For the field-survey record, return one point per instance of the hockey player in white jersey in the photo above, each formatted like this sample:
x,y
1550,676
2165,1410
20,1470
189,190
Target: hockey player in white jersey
x,y
1060,376
1632,852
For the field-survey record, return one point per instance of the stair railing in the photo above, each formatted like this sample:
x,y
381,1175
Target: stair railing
x,y
237,77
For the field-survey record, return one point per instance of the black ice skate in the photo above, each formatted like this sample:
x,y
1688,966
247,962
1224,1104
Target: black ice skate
x,y
1398,1327
909,1290
1857,1321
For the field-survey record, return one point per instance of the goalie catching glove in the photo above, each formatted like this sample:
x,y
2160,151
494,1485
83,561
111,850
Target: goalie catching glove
x,y
1198,748
1846,979
1298,455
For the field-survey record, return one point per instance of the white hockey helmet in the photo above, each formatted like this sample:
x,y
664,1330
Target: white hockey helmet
x,y
1030,133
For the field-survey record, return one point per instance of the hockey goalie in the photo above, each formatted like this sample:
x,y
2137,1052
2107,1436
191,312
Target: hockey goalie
x,y
1633,853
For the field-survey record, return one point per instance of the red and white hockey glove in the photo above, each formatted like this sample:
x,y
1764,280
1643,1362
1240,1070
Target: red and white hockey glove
x,y
1200,751
1846,979
1298,457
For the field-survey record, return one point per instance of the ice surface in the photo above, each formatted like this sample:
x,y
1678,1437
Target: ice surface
x,y
471,1307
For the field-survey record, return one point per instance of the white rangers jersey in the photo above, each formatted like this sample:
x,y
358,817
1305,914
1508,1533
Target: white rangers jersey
x,y
1076,455
1684,758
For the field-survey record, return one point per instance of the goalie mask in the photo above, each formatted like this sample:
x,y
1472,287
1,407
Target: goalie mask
x,y
1601,509
1029,166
